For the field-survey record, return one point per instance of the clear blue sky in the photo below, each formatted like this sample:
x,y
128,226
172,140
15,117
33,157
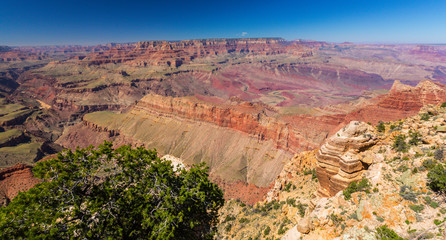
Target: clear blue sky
x,y
41,22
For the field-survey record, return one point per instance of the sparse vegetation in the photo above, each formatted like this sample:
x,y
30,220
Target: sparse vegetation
x,y
266,231
385,233
437,178
439,153
381,127
407,193
429,163
417,208
353,187
425,116
399,143
414,138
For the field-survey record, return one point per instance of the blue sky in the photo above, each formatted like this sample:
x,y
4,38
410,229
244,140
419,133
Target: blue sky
x,y
43,22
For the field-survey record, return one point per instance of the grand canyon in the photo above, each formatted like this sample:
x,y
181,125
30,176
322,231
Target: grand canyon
x,y
258,111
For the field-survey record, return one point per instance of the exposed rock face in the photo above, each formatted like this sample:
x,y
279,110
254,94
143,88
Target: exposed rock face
x,y
401,101
339,160
246,117
174,54
14,180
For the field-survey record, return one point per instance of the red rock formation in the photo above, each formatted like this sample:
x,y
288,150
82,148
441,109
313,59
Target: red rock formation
x,y
175,54
247,117
401,101
15,179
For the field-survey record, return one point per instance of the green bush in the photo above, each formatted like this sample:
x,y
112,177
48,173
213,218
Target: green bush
x,y
437,178
381,127
425,116
301,208
353,187
443,105
429,164
400,144
282,230
229,218
244,220
417,208
407,193
108,193
287,187
385,233
414,138
267,230
439,153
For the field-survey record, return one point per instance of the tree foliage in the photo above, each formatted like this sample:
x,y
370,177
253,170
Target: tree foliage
x,y
400,144
363,185
385,233
108,193
437,178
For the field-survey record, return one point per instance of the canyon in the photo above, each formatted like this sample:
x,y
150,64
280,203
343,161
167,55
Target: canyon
x,y
243,106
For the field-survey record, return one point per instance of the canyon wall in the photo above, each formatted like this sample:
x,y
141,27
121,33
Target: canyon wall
x,y
14,180
174,54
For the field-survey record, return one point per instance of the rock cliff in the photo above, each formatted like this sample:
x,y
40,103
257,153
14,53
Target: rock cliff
x,y
14,180
174,54
339,160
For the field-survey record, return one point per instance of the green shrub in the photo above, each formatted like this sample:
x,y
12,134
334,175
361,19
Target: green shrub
x,y
399,143
414,138
431,203
380,219
291,201
407,193
385,233
381,127
437,178
335,219
244,220
287,187
439,153
402,168
228,227
301,208
438,222
425,116
267,230
353,187
417,208
282,230
229,218
443,105
429,163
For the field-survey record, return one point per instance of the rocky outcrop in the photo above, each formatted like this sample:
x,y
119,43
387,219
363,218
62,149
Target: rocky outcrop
x,y
15,179
339,160
401,101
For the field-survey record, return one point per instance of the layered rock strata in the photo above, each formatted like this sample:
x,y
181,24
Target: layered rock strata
x,y
14,180
339,160
174,54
